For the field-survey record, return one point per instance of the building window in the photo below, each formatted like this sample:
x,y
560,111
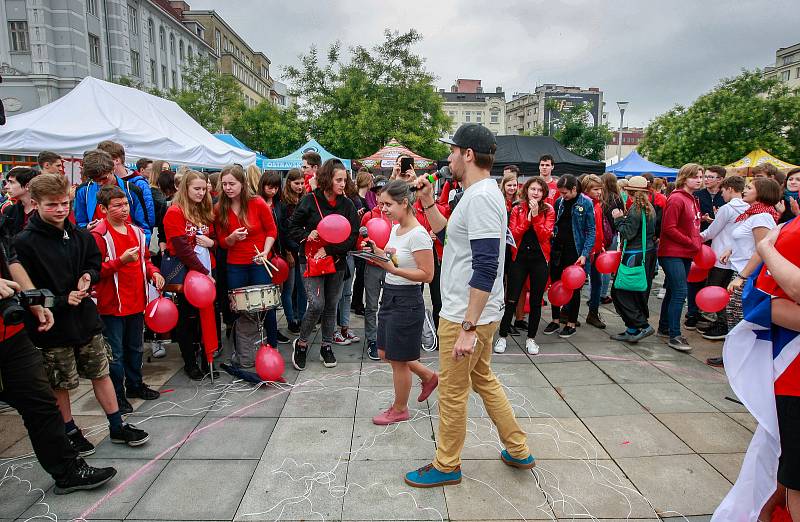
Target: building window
x,y
191,52
785,75
91,7
153,77
135,69
18,31
151,32
479,116
181,50
174,80
467,116
171,44
217,40
797,73
133,20
94,49
494,117
164,78
162,38
787,59
225,44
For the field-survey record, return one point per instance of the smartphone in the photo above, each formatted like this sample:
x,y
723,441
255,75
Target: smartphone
x,y
406,164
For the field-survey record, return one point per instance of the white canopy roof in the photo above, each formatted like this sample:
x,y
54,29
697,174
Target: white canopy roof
x,y
146,125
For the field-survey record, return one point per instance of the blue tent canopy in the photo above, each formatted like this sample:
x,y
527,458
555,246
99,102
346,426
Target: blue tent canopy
x,y
295,159
232,140
635,165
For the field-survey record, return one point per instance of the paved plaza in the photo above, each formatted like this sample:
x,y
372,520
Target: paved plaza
x,y
620,432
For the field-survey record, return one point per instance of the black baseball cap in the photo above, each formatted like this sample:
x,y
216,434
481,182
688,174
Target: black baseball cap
x,y
473,136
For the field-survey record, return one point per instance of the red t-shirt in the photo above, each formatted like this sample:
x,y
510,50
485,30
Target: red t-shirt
x,y
260,226
552,192
176,224
130,279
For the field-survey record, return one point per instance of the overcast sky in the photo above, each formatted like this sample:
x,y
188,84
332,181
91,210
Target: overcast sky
x,y
652,53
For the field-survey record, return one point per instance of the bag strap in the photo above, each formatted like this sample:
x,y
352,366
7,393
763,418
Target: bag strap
x,y
317,202
644,245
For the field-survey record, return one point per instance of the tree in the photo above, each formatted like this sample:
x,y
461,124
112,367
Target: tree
x,y
211,98
355,106
270,129
740,114
574,131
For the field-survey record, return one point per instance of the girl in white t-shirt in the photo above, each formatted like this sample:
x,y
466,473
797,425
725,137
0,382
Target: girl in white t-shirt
x,y
402,310
750,227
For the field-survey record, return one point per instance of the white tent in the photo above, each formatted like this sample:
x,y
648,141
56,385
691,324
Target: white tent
x,y
146,125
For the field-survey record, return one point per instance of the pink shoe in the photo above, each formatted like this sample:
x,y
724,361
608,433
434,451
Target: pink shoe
x,y
390,416
428,387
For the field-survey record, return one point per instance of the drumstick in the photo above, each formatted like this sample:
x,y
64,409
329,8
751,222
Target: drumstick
x,y
263,261
270,264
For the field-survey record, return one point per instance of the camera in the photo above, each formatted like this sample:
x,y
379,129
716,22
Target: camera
x,y
12,309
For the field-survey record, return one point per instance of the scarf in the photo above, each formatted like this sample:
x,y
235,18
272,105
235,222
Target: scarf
x,y
788,195
758,208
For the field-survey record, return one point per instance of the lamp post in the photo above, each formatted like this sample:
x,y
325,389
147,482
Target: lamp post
x,y
622,106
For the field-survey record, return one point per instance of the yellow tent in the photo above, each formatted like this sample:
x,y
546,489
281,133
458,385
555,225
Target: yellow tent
x,y
759,156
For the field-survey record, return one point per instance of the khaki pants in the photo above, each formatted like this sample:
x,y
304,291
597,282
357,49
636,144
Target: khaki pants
x,y
455,379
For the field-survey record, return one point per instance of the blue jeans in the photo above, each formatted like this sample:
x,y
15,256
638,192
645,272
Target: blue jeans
x,y
124,334
675,271
343,309
293,295
253,274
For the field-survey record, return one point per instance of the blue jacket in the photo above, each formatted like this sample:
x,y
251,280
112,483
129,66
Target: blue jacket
x,y
86,203
582,224
147,195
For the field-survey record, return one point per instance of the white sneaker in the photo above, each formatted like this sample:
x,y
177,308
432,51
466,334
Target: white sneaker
x,y
661,293
340,339
532,347
159,349
500,345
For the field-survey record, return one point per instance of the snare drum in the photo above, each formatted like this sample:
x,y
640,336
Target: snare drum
x,y
256,298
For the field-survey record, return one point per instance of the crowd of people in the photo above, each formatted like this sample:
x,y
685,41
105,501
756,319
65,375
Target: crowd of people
x,y
110,245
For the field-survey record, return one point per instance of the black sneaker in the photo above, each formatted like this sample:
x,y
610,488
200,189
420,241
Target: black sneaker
x,y
124,406
193,372
142,392
551,328
294,327
715,361
83,476
79,442
130,435
522,324
567,331
282,339
704,324
299,355
372,351
690,323
717,332
662,333
680,343
327,357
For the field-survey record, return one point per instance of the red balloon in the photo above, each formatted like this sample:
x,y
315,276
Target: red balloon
x,y
334,229
161,315
208,331
379,230
282,274
705,258
527,308
696,274
573,277
712,299
608,262
269,363
199,289
559,295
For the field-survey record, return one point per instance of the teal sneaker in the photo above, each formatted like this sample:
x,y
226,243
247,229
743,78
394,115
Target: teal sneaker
x,y
526,463
430,477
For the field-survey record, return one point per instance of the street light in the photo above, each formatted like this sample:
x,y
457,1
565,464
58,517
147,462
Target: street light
x,y
622,106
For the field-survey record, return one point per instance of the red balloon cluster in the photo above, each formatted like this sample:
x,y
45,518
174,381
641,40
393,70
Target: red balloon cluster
x,y
199,289
559,295
712,299
280,275
573,277
705,258
334,229
696,274
269,363
161,315
379,230
608,262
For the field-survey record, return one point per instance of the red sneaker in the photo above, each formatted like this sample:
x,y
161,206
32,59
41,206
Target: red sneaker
x,y
390,416
428,387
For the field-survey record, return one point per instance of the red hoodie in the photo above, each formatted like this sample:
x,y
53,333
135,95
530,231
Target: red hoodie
x,y
599,239
680,226
542,226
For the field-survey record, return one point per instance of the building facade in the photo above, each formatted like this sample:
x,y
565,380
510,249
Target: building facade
x,y
631,136
787,66
250,68
541,109
467,103
52,45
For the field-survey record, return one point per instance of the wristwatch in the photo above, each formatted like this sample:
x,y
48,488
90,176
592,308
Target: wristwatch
x,y
467,326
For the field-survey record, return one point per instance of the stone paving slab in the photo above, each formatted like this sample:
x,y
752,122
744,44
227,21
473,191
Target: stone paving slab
x,y
232,438
728,464
667,398
708,432
635,436
400,442
314,440
166,434
573,373
600,400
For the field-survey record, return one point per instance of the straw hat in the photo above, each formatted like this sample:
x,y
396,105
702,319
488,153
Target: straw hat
x,y
636,183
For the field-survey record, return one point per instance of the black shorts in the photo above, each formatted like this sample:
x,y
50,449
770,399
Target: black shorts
x,y
789,424
400,319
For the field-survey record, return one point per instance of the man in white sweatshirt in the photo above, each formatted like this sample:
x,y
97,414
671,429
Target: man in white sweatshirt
x,y
720,233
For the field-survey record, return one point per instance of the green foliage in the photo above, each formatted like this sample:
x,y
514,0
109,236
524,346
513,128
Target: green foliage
x,y
575,132
740,114
270,129
354,106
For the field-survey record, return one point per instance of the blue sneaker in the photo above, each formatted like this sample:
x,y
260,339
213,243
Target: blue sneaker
x,y
526,463
430,477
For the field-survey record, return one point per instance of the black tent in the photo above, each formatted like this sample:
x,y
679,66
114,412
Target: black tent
x,y
525,151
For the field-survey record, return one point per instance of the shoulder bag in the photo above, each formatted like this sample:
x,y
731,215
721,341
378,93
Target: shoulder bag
x,y
317,267
633,278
